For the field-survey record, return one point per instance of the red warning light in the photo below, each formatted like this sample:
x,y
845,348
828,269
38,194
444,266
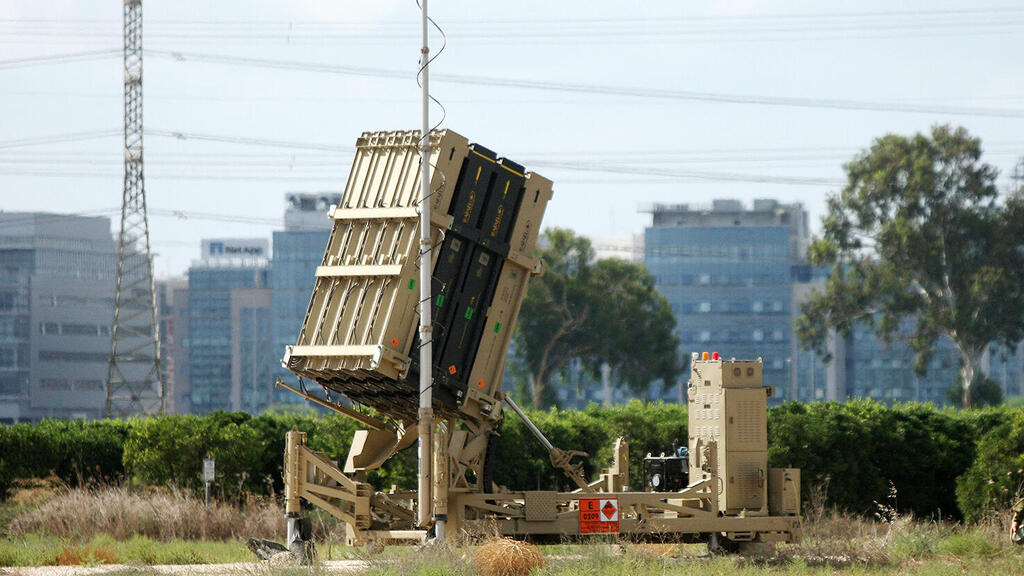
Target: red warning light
x,y
451,369
479,383
714,355
394,342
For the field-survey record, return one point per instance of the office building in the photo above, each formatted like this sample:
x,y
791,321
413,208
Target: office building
x,y
727,273
56,308
228,328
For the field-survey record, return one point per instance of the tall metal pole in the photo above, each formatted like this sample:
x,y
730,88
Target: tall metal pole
x,y
424,493
134,379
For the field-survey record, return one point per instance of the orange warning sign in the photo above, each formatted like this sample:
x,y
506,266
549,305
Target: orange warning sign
x,y
599,515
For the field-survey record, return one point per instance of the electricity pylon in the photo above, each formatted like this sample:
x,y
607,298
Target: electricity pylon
x,y
134,382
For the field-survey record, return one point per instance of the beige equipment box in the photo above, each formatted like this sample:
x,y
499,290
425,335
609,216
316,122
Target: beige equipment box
x,y
728,433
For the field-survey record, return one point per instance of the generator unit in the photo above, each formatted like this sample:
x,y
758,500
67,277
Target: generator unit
x,y
358,342
669,473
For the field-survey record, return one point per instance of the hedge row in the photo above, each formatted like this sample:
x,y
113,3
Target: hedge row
x,y
942,462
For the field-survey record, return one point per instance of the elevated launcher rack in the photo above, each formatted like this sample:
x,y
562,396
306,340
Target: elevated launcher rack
x,y
359,340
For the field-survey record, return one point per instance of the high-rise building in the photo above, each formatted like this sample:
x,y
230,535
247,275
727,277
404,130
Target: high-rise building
x,y
727,272
298,250
56,307
228,342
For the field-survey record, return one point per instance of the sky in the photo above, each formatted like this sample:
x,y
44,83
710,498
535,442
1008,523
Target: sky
x,y
621,104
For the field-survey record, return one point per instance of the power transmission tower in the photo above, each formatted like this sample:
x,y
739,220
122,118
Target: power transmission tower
x,y
134,383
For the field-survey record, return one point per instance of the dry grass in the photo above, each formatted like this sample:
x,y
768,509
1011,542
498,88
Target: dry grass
x,y
76,554
507,557
165,514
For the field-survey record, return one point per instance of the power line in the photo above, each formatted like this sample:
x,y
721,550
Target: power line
x,y
59,138
179,135
57,58
598,89
188,22
695,175
582,88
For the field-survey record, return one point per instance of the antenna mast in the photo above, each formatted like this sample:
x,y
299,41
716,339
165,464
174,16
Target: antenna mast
x,y
134,383
425,496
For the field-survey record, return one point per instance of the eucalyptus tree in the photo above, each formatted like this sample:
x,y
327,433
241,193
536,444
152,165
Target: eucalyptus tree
x,y
920,233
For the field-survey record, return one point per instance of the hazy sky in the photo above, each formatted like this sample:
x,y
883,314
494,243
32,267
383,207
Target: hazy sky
x,y
620,103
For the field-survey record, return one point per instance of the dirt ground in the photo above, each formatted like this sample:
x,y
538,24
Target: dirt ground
x,y
249,568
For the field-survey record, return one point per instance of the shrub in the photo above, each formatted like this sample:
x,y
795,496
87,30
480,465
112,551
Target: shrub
x,y
861,446
997,474
167,450
76,451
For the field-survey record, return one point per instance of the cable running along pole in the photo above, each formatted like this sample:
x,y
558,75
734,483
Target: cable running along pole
x,y
424,493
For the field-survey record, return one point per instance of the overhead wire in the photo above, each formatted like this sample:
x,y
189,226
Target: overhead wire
x,y
182,135
585,88
681,28
58,138
58,58
601,89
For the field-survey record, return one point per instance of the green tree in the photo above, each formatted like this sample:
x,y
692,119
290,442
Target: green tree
x,y
919,234
597,311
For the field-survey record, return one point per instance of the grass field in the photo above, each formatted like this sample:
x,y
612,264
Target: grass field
x,y
113,526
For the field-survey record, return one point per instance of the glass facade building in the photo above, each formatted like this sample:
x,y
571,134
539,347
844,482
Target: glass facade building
x,y
727,273
228,340
885,371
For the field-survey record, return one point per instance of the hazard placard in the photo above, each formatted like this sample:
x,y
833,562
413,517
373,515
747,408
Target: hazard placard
x,y
599,515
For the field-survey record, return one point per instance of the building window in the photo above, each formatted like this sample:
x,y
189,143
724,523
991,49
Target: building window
x,y
89,385
704,307
758,306
776,334
64,356
59,384
705,335
10,384
758,335
8,359
80,329
705,278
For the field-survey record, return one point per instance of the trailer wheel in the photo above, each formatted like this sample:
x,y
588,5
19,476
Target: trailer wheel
x,y
718,544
